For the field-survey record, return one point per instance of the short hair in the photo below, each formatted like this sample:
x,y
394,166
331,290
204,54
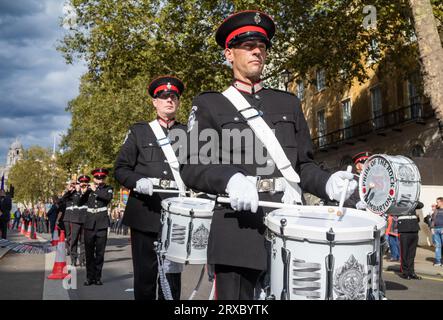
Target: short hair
x,y
440,199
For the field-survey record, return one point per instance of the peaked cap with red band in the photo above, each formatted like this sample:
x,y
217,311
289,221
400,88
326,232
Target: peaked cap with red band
x,y
166,83
243,26
100,172
361,157
84,178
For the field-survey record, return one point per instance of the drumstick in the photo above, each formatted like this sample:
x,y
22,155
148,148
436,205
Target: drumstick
x,y
167,191
343,195
267,204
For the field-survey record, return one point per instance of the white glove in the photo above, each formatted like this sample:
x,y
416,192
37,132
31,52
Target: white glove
x,y
361,205
290,195
336,184
242,193
144,186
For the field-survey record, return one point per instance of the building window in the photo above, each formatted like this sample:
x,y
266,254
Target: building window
x,y
376,106
417,151
321,80
346,118
300,89
321,125
414,100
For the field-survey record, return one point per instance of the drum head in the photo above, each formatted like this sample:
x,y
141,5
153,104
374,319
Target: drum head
x,y
313,222
385,181
184,206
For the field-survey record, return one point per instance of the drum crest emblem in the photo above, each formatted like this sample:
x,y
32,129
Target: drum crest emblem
x,y
200,238
350,281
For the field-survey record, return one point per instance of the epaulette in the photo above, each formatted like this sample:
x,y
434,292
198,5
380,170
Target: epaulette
x,y
141,123
205,92
283,91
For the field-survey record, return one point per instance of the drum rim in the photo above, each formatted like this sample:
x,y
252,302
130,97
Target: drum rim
x,y
167,205
294,231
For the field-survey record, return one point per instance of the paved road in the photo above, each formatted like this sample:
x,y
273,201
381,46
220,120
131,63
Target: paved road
x,y
23,277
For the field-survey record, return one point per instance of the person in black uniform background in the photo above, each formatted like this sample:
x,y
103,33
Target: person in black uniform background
x,y
236,242
97,198
408,227
77,220
5,212
139,166
67,207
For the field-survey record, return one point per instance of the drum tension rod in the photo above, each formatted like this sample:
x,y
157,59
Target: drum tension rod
x,y
286,258
329,261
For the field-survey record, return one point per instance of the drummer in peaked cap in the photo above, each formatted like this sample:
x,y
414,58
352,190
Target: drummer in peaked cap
x,y
97,198
140,166
236,243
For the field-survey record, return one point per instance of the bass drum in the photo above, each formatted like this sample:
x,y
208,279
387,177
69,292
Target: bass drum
x,y
390,184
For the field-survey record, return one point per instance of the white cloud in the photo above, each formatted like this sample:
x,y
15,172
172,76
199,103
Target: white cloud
x,y
35,82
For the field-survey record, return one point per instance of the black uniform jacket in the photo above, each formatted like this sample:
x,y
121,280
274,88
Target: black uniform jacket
x,y
236,238
67,201
141,157
99,198
78,215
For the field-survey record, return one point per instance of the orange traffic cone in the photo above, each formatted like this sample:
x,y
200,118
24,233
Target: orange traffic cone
x,y
28,232
33,231
23,232
54,240
60,260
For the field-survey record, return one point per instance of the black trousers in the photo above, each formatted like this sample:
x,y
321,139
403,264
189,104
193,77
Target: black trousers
x,y
4,228
95,245
235,283
174,281
408,248
77,241
144,260
67,236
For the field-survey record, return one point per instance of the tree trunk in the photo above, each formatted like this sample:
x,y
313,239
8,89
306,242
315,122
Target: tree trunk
x,y
431,53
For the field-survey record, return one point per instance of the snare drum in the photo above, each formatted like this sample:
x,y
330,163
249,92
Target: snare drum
x,y
390,184
186,223
316,255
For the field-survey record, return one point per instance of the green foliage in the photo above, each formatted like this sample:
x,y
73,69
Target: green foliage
x,y
36,177
128,43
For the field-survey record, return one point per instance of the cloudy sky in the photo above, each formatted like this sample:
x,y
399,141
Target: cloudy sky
x,y
35,82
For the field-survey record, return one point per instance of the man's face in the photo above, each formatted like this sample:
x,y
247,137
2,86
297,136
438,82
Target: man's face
x,y
439,204
99,180
359,167
166,104
248,59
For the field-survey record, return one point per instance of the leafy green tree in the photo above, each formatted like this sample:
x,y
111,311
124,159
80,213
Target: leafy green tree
x,y
36,177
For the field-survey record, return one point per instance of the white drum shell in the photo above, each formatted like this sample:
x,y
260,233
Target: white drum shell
x,y
309,250
406,183
175,237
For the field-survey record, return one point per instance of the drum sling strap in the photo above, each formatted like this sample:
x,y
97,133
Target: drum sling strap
x,y
265,134
164,142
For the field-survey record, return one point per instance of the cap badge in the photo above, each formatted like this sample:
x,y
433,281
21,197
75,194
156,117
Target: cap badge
x,y
257,18
168,86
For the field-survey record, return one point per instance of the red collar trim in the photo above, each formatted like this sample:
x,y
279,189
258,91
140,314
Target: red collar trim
x,y
165,123
248,88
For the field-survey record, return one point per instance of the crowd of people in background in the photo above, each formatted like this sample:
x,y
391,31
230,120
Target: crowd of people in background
x,y
47,215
